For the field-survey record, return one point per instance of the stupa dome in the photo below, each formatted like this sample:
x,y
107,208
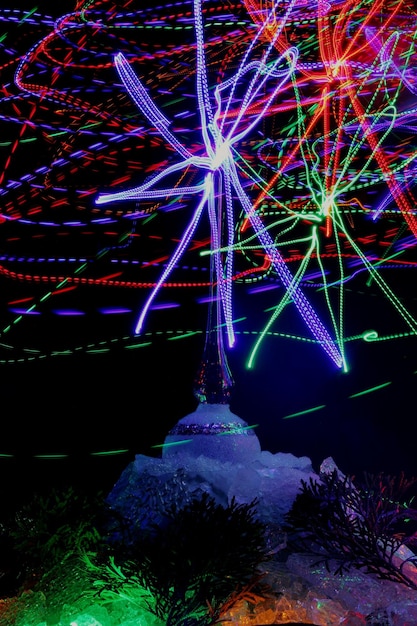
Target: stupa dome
x,y
212,430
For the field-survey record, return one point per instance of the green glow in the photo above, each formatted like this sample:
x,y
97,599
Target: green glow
x,y
110,452
50,456
61,132
6,456
370,335
62,283
239,319
138,345
173,443
148,219
232,432
315,408
382,261
97,351
28,14
9,143
124,236
191,333
370,390
64,132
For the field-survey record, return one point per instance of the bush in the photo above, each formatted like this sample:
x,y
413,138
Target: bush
x,y
357,525
201,556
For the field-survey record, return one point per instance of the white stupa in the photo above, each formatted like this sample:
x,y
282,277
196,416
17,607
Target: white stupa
x,y
210,450
212,430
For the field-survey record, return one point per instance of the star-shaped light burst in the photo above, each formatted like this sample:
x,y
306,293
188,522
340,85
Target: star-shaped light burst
x,y
220,186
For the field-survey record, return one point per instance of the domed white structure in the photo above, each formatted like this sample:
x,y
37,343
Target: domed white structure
x,y
213,431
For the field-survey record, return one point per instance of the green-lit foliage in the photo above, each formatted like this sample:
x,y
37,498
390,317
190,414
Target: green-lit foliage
x,y
201,556
360,525
198,559
50,529
111,582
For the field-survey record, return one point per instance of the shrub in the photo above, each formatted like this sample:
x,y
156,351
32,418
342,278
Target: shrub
x,y
201,556
357,525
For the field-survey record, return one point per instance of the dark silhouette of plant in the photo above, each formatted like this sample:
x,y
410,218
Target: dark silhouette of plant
x,y
50,529
11,576
369,526
200,556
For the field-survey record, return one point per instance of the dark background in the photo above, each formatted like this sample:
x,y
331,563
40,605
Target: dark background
x,y
96,410
127,402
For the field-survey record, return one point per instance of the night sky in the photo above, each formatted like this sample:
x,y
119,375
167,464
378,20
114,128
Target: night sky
x,y
87,389
128,401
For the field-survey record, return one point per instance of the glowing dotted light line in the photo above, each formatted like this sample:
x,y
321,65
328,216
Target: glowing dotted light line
x,y
222,178
300,118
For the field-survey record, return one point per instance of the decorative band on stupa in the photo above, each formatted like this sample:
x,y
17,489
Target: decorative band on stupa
x,y
192,436
213,428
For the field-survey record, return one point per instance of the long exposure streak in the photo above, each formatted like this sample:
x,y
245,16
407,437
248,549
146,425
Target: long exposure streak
x,y
258,158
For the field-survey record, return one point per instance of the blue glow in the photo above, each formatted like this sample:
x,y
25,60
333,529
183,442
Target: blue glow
x,y
113,310
68,312
19,311
221,186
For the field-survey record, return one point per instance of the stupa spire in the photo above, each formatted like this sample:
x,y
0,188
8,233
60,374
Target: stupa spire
x,y
213,383
198,433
